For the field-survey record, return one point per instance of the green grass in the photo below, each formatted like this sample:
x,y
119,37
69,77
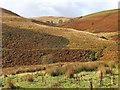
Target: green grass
x,y
63,82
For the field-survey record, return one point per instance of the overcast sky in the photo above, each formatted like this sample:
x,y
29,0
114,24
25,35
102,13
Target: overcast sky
x,y
66,8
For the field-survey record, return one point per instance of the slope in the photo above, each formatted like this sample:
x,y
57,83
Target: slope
x,y
20,38
105,21
25,42
77,39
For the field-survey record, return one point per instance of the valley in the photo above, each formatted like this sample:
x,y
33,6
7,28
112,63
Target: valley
x,y
60,47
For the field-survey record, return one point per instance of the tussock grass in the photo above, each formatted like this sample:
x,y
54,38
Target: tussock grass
x,y
72,68
28,78
54,85
54,71
108,70
22,69
76,74
90,66
104,70
10,85
80,80
61,68
112,64
70,73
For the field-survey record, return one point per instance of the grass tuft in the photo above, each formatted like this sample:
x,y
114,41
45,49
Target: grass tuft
x,y
54,71
28,78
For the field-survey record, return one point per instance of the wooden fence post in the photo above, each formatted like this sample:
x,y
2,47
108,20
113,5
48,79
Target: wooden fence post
x,y
113,78
91,86
42,79
101,77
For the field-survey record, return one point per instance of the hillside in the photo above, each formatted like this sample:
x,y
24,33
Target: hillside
x,y
16,38
81,39
22,34
104,21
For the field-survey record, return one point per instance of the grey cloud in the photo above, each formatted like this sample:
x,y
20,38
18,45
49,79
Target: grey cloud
x,y
67,8
38,9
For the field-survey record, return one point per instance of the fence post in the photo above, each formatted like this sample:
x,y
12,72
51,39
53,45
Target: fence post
x,y
91,86
101,77
113,78
42,79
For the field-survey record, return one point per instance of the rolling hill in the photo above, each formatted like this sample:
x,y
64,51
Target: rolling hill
x,y
104,21
25,38
81,39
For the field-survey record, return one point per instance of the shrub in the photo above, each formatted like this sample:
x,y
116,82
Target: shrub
x,y
92,56
60,21
48,59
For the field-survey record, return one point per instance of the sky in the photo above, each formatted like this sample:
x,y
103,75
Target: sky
x,y
65,8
